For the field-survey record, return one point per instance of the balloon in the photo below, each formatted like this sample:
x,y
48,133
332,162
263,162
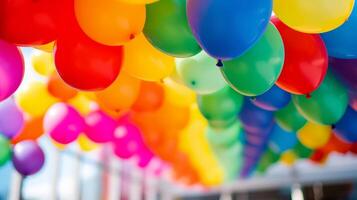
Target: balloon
x,y
59,89
150,98
110,22
263,68
11,119
335,144
34,99
267,159
225,137
27,22
32,130
346,128
314,135
86,144
81,103
137,1
87,65
121,94
143,61
289,118
305,63
345,71
163,20
301,151
46,47
313,17
11,68
341,42
326,105
100,127
28,158
225,157
273,100
144,157
288,158
200,73
63,123
43,63
178,94
319,157
5,150
220,108
219,26
281,140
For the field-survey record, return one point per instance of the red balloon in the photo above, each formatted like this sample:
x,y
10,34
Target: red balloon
x,y
336,144
27,22
306,60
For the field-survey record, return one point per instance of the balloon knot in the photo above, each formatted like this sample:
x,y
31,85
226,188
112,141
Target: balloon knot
x,y
132,36
333,126
308,96
253,98
219,63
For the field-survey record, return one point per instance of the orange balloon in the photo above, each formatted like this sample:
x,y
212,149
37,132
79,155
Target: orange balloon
x,y
121,94
151,97
59,89
137,1
32,130
110,22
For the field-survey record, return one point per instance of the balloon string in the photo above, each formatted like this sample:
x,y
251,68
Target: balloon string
x,y
219,63
131,36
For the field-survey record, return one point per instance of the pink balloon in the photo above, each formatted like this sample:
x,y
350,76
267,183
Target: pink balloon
x,y
145,156
63,123
11,69
100,127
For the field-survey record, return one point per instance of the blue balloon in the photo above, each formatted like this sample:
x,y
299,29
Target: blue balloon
x,y
256,120
281,140
342,42
273,100
226,29
346,128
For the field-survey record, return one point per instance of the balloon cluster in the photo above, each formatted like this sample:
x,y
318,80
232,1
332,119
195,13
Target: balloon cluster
x,y
216,89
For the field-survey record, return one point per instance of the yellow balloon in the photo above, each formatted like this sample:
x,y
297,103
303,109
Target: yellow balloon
x,y
58,145
85,144
178,94
144,62
313,16
82,104
314,135
34,99
43,63
46,47
288,158
137,1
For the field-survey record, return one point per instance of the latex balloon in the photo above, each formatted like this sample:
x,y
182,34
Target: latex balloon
x,y
273,100
87,65
86,144
314,135
144,157
11,69
301,151
346,128
341,42
313,17
200,73
305,63
5,150
110,22
267,159
27,22
225,157
225,137
34,99
28,158
49,47
11,119
161,28
289,118
121,94
150,98
335,144
43,63
319,157
219,28
326,105
178,94
137,1
220,108
143,61
281,140
82,104
263,68
59,89
100,127
288,158
63,123
32,130
345,71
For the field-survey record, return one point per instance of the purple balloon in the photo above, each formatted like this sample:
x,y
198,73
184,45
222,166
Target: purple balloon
x,y
11,69
11,118
28,157
346,71
353,101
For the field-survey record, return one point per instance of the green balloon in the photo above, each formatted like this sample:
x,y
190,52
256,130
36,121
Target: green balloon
x,y
267,159
167,28
225,137
289,118
230,158
5,150
326,105
200,73
258,69
220,108
302,151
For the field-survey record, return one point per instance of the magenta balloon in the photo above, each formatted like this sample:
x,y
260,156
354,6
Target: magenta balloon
x,y
11,69
100,127
63,123
145,156
11,118
28,157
